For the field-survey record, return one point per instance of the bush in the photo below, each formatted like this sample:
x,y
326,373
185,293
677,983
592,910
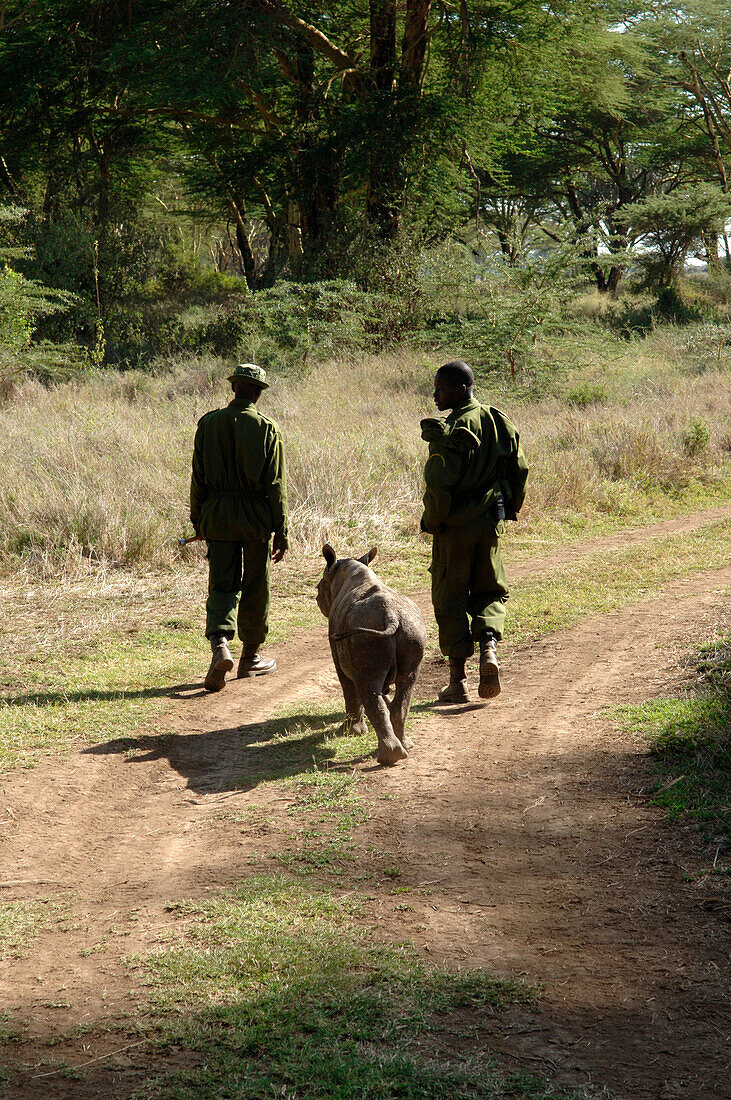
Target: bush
x,y
289,326
696,438
585,394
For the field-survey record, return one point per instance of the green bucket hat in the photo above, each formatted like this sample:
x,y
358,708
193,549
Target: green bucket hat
x,y
249,372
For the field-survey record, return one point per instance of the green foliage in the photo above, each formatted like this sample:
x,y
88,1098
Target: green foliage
x,y
670,225
586,394
291,325
16,325
491,311
326,146
696,438
23,302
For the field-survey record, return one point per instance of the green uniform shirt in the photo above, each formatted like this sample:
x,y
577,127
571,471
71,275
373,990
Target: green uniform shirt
x,y
474,454
238,490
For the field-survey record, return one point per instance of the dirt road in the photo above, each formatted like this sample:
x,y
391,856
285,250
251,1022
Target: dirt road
x,y
524,817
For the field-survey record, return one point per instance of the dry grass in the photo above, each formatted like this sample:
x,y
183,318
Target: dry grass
x,y
99,469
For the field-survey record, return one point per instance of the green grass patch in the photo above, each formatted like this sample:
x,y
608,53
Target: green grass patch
x,y
20,923
311,754
277,991
610,579
118,683
690,739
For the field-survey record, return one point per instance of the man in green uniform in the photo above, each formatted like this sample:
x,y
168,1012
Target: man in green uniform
x,y
238,497
475,479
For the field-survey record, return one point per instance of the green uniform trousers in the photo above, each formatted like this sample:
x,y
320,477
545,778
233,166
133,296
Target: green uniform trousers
x,y
238,581
468,582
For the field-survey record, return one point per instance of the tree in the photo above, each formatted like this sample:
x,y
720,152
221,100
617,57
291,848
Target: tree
x,y
22,302
668,226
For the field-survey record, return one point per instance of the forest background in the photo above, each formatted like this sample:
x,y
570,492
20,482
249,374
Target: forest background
x,y
193,183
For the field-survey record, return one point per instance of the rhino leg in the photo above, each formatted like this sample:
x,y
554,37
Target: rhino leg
x,y
354,718
399,706
390,749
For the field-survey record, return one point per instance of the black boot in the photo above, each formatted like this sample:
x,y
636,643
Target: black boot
x,y
489,668
456,690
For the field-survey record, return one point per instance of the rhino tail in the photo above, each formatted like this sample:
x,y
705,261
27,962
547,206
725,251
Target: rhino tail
x,y
367,630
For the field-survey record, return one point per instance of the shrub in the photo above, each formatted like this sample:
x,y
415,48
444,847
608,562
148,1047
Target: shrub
x,y
696,438
585,394
291,325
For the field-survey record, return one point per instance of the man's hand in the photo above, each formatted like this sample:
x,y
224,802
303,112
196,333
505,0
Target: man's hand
x,y
278,555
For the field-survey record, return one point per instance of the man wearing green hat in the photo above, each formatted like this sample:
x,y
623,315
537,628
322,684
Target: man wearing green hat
x,y
238,498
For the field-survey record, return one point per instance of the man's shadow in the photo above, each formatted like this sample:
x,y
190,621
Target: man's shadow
x,y
241,757
52,698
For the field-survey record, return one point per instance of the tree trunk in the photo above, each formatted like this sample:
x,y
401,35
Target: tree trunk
x,y
710,245
607,283
413,46
247,257
381,204
383,44
615,275
396,107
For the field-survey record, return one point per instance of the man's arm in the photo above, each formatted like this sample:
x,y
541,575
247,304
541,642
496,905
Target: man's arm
x,y
275,486
197,481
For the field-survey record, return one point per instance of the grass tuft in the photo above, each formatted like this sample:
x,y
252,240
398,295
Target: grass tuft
x,y
690,738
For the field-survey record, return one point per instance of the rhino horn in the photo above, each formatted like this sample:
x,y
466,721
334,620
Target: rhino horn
x,y
329,555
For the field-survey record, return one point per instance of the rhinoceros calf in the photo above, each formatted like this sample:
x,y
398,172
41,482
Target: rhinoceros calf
x,y
377,640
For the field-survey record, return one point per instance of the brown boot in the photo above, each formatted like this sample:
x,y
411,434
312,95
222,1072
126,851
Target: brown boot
x,y
489,668
456,690
252,663
221,663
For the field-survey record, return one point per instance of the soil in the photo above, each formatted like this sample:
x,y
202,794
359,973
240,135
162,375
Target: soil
x,y
521,825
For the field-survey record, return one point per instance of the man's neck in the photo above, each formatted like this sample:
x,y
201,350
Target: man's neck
x,y
466,403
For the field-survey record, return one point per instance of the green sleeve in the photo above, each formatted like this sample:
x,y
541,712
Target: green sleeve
x,y
197,483
517,477
275,485
441,473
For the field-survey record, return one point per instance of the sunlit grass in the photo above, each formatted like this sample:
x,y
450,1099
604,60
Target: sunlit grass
x,y
108,675
282,989
611,579
20,923
107,477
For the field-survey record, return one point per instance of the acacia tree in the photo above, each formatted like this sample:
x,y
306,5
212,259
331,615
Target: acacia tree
x,y
692,45
669,226
302,118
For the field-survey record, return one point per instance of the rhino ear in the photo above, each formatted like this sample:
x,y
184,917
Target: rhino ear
x,y
368,558
329,555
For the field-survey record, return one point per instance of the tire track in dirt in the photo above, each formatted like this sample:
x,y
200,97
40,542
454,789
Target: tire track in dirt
x,y
546,861
541,859
629,537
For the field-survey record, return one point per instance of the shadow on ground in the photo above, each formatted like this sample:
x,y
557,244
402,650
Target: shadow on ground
x,y
56,698
241,757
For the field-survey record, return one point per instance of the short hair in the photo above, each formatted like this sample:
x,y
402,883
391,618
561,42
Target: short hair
x,y
458,373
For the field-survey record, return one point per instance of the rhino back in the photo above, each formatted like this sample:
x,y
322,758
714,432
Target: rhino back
x,y
373,611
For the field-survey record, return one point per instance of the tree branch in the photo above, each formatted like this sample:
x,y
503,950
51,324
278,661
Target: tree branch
x,y
319,41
